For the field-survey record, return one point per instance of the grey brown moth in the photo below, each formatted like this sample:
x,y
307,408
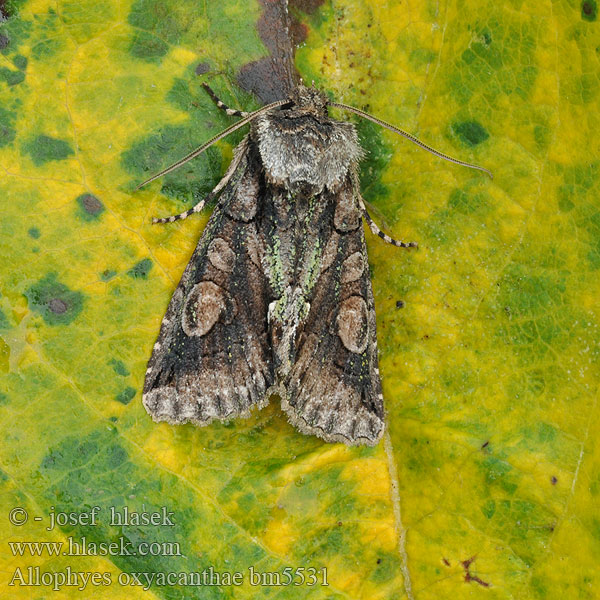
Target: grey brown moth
x,y
277,298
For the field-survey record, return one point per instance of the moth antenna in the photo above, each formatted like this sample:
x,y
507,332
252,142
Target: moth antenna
x,y
215,139
408,136
232,112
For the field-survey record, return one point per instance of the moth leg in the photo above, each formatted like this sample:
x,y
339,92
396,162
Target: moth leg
x,y
184,215
232,112
224,181
386,238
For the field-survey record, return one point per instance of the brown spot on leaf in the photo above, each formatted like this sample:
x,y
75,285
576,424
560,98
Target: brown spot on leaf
x,y
298,33
271,78
307,6
446,562
468,576
202,68
554,480
58,306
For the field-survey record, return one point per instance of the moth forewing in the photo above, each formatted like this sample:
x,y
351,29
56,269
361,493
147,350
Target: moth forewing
x,y
277,296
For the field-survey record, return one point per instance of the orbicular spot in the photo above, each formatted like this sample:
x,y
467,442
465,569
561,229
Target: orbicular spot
x,y
346,216
34,232
352,324
57,304
141,269
126,396
44,148
589,10
205,304
90,207
221,255
148,47
353,267
7,131
470,132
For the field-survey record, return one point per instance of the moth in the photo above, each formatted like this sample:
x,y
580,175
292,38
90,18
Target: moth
x,y
277,297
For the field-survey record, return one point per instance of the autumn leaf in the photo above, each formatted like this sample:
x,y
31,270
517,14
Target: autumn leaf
x,y
487,484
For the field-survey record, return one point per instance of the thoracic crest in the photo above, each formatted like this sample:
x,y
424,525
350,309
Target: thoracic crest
x,y
303,150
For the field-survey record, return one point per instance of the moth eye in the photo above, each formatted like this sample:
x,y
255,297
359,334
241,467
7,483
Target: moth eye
x,y
204,305
352,324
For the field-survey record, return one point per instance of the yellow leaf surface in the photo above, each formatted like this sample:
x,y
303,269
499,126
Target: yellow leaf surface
x,y
486,485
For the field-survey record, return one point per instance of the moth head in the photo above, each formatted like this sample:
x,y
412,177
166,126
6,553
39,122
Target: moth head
x,y
309,100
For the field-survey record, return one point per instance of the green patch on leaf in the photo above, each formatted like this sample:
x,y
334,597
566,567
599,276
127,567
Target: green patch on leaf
x,y
10,8
589,10
107,274
13,33
7,131
10,76
148,47
20,62
89,207
379,154
46,49
57,304
44,148
141,269
126,396
471,133
4,322
119,367
34,233
193,180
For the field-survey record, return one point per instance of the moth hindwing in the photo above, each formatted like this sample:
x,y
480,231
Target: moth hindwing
x,y
277,296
